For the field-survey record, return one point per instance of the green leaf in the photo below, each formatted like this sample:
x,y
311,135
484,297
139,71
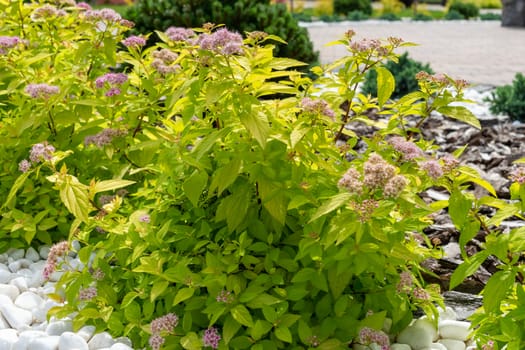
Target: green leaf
x,y
504,213
242,315
208,142
305,332
284,63
109,185
132,312
191,341
183,294
460,113
273,199
75,197
225,176
260,328
194,186
338,281
331,344
157,289
230,328
467,268
284,334
257,125
458,208
385,85
233,208
16,186
497,287
128,298
298,133
332,204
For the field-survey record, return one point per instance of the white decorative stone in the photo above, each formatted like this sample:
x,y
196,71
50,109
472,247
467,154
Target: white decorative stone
x,y
15,316
87,332
20,283
55,276
7,338
25,338
453,344
6,276
3,258
436,346
38,267
29,301
4,267
15,266
3,323
43,251
70,340
418,338
44,343
101,340
16,254
35,280
125,341
120,346
9,290
452,329
397,346
428,326
25,272
32,254
59,327
40,313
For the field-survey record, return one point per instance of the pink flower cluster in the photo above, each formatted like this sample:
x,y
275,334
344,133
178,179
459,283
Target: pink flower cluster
x,y
365,209
179,33
211,338
161,324
488,345
518,175
8,42
405,282
395,186
87,294
221,41
163,60
408,149
377,172
105,137
47,11
317,107
421,294
351,181
433,168
369,336
56,251
224,296
40,152
41,90
114,80
145,218
134,41
106,14
84,6
449,163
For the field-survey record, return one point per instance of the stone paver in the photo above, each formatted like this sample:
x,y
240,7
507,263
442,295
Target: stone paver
x,y
481,52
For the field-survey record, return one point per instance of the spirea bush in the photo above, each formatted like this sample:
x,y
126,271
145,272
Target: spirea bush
x,y
206,211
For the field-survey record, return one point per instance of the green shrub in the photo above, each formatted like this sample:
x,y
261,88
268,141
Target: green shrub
x,y
510,99
467,10
490,16
357,16
453,15
422,17
404,72
344,7
240,15
390,17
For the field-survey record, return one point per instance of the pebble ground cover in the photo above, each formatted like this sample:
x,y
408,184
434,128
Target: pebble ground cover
x,y
204,193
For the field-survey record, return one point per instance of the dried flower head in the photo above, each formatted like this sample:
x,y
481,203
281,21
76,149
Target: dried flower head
x,y
318,106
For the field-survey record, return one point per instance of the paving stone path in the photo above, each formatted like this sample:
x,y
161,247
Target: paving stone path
x,y
481,52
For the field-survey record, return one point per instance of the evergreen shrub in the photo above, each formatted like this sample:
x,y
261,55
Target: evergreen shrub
x,y
346,6
467,10
453,15
510,99
239,15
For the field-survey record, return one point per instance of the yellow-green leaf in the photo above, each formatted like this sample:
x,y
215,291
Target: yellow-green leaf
x,y
460,113
183,294
385,85
242,315
109,185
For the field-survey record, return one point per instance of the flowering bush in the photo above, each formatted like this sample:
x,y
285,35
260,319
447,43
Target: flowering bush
x,y
207,187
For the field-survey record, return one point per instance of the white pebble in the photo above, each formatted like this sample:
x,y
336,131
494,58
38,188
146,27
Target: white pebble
x,y
29,301
3,258
69,341
428,326
25,338
16,254
451,329
44,343
101,340
25,272
20,283
453,344
4,267
7,338
9,290
418,338
59,327
120,346
15,266
6,276
397,346
125,341
87,332
15,316
55,276
37,267
43,251
40,314
436,346
32,254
